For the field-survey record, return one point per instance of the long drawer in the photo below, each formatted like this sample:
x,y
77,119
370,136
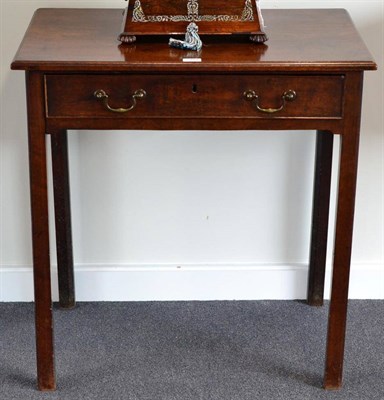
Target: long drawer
x,y
189,96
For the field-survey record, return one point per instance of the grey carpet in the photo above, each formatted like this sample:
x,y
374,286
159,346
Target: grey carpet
x,y
219,350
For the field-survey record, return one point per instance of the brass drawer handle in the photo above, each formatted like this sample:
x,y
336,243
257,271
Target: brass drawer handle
x,y
101,95
289,95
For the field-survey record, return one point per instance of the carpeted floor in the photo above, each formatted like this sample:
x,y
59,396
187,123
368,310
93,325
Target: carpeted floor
x,y
254,350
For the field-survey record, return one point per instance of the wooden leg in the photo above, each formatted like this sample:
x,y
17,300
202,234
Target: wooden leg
x,y
343,236
40,232
320,216
59,148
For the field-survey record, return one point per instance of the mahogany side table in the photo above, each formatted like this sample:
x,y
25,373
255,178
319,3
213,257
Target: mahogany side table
x,y
308,77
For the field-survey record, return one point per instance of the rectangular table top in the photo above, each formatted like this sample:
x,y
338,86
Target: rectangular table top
x,y
81,40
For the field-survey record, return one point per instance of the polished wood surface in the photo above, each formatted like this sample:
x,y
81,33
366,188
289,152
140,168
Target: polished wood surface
x,y
86,40
40,231
69,54
195,96
344,230
205,7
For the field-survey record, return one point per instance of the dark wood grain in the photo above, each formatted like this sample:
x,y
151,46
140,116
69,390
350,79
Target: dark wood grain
x,y
344,229
195,95
182,123
40,231
61,190
70,53
86,40
206,7
320,217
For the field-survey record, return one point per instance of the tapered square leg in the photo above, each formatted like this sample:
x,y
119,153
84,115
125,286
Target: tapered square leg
x,y
40,232
320,217
343,234
61,189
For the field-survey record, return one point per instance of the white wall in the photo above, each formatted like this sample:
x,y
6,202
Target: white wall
x,y
202,215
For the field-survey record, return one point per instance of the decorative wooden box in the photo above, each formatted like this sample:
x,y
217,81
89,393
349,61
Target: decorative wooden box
x,y
213,17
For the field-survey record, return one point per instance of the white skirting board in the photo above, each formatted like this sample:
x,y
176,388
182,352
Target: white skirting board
x,y
190,282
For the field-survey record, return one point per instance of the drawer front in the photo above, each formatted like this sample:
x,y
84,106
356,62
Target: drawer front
x,y
188,96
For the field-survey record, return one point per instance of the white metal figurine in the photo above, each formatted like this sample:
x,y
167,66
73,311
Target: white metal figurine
x,y
192,39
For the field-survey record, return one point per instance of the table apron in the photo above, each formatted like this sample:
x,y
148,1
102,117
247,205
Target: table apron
x,y
54,124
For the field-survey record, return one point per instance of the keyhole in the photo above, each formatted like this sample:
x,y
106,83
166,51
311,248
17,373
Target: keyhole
x,y
194,88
